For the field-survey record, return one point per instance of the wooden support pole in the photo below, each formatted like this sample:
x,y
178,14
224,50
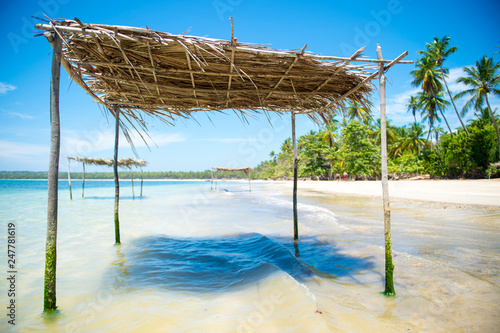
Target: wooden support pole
x,y
69,179
117,181
83,180
295,176
142,180
132,179
49,294
389,266
212,180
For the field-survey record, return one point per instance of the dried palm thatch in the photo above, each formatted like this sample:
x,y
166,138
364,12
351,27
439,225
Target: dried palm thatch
x,y
122,162
245,170
171,76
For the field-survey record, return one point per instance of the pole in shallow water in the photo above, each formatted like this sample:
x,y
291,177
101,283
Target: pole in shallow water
x,y
295,176
49,294
389,266
117,181
142,179
132,178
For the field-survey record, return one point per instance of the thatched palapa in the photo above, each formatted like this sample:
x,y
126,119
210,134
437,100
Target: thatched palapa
x,y
171,76
122,162
246,170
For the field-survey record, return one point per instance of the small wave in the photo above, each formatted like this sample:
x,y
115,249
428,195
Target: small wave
x,y
310,215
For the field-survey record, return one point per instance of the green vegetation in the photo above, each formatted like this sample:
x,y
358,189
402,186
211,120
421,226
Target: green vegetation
x,y
354,146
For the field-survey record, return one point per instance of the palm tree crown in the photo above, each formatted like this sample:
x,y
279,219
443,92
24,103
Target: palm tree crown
x,y
357,110
426,75
483,80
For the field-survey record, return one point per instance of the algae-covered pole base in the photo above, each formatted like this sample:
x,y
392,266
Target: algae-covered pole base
x,y
389,266
49,295
117,181
295,176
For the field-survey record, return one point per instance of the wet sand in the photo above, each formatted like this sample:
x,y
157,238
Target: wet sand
x,y
445,248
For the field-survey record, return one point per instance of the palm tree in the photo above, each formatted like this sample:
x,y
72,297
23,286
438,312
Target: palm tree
x,y
426,75
391,132
483,115
430,104
439,50
411,139
437,131
329,134
412,106
429,78
357,110
483,80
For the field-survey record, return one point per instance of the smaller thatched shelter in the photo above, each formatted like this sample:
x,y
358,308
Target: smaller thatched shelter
x,y
122,162
246,170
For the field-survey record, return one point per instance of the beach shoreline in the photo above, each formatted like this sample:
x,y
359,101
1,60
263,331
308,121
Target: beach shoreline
x,y
483,192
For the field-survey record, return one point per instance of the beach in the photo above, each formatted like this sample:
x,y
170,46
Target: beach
x,y
458,192
195,259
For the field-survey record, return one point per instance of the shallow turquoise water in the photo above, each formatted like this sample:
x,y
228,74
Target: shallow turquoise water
x,y
194,259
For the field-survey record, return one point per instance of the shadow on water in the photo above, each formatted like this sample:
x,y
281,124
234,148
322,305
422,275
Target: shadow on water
x,y
222,263
324,259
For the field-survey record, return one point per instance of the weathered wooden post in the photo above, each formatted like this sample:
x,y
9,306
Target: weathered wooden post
x,y
142,179
295,176
69,179
132,179
49,294
389,266
117,181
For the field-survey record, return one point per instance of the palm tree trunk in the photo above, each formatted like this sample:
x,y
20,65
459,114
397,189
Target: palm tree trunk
x,y
446,121
49,294
494,123
428,135
452,102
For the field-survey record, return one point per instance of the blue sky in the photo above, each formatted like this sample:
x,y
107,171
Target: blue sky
x,y
328,27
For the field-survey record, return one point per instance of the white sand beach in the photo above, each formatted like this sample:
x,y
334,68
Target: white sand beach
x,y
461,192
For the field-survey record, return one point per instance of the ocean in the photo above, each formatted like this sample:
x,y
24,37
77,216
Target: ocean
x,y
193,259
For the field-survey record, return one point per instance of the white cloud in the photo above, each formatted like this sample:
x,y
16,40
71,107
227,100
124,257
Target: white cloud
x,y
82,143
452,78
4,87
19,151
21,115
